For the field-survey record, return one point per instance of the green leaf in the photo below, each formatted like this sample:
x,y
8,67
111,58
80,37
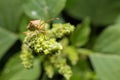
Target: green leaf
x,y
81,34
7,39
100,12
24,23
10,13
109,40
82,71
117,21
14,70
107,67
23,26
44,9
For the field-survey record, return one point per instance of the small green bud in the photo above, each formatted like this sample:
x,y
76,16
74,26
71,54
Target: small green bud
x,y
59,30
65,71
46,51
26,57
72,54
49,69
59,62
27,64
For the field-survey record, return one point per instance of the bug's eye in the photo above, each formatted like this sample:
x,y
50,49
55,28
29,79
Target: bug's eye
x,y
31,27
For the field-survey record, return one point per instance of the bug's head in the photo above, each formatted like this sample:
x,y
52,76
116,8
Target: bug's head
x,y
33,25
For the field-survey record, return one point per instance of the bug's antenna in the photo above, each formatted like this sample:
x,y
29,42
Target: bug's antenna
x,y
50,20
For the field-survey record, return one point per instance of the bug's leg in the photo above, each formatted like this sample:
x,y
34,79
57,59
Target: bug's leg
x,y
42,24
25,33
43,27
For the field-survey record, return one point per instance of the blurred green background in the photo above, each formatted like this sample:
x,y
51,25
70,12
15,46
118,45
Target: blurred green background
x,y
96,38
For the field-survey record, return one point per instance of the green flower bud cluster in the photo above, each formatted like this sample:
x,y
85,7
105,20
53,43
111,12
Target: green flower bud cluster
x,y
70,52
49,69
51,46
43,41
59,30
26,57
72,55
65,71
43,44
59,62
